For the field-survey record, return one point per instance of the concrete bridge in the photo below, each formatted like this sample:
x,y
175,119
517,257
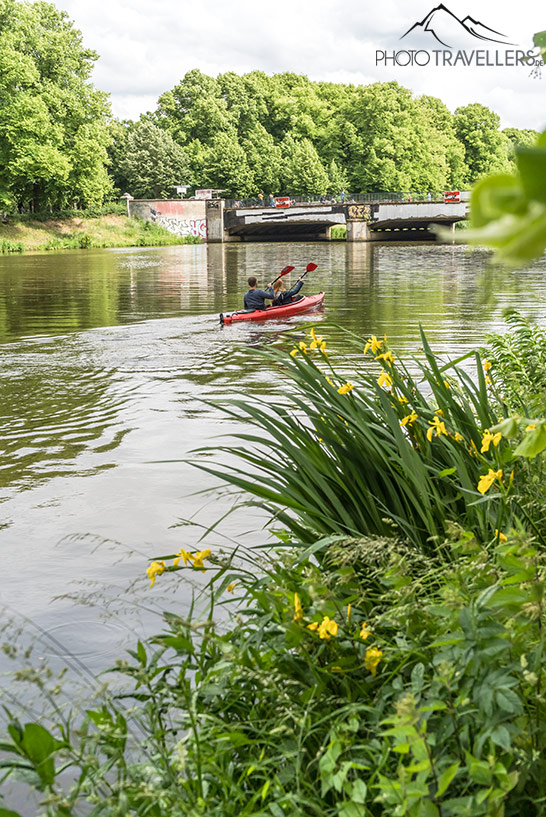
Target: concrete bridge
x,y
374,221
215,222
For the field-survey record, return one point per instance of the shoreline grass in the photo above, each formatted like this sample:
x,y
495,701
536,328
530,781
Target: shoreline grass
x,y
83,231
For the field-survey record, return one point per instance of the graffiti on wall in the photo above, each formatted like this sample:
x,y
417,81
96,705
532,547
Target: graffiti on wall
x,y
180,226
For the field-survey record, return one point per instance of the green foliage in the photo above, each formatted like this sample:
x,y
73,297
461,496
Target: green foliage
x,y
302,171
152,163
486,149
518,364
53,123
378,137
508,212
404,454
7,246
360,679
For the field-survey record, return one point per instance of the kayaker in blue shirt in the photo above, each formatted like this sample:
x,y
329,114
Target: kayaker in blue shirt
x,y
283,296
255,298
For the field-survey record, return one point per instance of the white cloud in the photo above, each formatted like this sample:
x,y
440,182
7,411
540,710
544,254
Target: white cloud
x,y
146,48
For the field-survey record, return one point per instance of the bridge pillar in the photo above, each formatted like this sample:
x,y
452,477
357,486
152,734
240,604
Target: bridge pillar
x,y
358,231
215,222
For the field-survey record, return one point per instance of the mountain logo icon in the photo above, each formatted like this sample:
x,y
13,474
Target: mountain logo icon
x,y
446,28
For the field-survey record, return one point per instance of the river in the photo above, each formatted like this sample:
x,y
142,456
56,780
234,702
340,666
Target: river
x,y
107,359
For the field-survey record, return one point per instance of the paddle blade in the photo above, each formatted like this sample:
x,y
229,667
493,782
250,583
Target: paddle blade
x,y
310,267
285,271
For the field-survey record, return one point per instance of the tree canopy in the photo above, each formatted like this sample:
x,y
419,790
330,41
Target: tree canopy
x,y
280,134
53,123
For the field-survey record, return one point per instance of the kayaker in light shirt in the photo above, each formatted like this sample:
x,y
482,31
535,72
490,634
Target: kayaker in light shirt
x,y
255,298
283,296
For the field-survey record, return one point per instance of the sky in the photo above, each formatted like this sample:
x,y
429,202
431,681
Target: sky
x,y
146,47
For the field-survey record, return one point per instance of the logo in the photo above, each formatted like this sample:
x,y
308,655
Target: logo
x,y
442,39
443,25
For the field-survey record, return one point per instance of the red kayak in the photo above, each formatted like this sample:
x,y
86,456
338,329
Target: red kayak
x,y
286,311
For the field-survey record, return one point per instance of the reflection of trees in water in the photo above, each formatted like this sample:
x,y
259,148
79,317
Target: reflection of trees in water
x,y
53,414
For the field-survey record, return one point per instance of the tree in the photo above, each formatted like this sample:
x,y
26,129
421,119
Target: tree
x,y
486,148
53,123
226,167
302,170
264,157
153,163
194,109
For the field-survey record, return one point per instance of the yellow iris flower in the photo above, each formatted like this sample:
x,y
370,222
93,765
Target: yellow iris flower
x,y
346,388
373,344
298,609
198,559
487,480
326,628
364,631
385,380
489,438
388,357
155,569
501,537
407,421
372,659
487,365
437,427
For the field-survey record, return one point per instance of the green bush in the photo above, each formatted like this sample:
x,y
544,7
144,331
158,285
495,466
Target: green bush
x,y
7,246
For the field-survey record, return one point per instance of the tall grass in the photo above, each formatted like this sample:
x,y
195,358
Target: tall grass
x,y
395,455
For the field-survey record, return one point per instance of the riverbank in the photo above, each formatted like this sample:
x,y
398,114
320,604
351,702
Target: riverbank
x,y
24,234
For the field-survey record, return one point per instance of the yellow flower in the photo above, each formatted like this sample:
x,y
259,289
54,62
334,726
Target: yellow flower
x,y
328,379
302,346
198,559
487,365
348,611
372,659
530,427
446,384
312,333
327,628
511,479
231,587
155,569
346,388
458,437
365,632
313,626
298,615
388,357
322,347
487,480
437,427
501,537
402,399
439,412
187,557
373,344
407,421
489,438
294,352
385,380
487,380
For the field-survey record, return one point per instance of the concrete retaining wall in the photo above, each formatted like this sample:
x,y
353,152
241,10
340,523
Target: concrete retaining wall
x,y
179,216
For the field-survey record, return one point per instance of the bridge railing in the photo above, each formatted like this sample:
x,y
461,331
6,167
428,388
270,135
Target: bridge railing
x,y
348,198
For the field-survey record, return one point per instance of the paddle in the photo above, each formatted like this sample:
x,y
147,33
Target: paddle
x,y
284,271
310,267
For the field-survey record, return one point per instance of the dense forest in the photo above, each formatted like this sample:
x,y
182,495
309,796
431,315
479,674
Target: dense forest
x,y
61,147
